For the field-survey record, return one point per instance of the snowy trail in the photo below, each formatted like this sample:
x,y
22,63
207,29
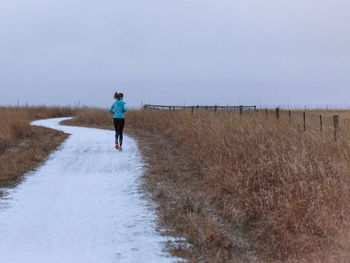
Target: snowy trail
x,y
83,205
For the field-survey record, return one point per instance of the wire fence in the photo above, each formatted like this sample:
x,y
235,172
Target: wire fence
x,y
199,107
327,122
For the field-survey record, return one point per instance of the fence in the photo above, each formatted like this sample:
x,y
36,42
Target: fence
x,y
326,122
200,107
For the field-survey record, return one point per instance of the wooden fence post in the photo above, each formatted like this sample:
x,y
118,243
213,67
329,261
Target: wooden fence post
x,y
277,113
215,108
240,110
304,120
267,113
290,116
336,126
321,123
192,109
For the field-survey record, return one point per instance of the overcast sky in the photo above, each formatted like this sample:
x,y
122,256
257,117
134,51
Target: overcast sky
x,y
264,52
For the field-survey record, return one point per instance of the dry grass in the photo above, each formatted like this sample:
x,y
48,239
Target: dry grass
x,y
22,146
27,154
14,126
232,184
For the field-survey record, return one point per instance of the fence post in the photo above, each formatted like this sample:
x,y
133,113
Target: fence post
x,y
240,110
215,108
336,126
267,113
277,113
197,107
290,116
304,120
321,123
192,109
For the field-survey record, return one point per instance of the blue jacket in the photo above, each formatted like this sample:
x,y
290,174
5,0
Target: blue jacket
x,y
118,109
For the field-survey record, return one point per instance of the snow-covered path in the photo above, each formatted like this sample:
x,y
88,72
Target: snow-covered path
x,y
83,205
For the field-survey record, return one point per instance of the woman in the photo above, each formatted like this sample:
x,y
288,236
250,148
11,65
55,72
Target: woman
x,y
118,109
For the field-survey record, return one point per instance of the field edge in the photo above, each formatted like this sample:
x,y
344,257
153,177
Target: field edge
x,y
27,154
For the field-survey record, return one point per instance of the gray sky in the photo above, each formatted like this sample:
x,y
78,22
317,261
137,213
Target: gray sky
x,y
264,52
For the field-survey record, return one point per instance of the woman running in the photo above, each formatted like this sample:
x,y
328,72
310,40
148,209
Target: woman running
x,y
118,109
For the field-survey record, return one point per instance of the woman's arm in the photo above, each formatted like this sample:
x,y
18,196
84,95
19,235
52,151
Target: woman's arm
x,y
125,107
111,109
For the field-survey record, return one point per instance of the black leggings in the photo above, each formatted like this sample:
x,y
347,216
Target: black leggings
x,y
119,127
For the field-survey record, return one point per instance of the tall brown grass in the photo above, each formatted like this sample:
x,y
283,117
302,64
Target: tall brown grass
x,y
92,117
14,126
287,189
23,146
15,122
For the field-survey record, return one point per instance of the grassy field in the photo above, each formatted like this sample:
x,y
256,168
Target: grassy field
x,y
22,146
246,187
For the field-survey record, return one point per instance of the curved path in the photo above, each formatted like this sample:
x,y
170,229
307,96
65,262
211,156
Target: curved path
x,y
83,205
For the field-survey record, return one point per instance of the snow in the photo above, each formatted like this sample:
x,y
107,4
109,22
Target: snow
x,y
83,205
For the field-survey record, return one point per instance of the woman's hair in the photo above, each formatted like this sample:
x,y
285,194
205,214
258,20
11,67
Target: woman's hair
x,y
116,95
120,95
